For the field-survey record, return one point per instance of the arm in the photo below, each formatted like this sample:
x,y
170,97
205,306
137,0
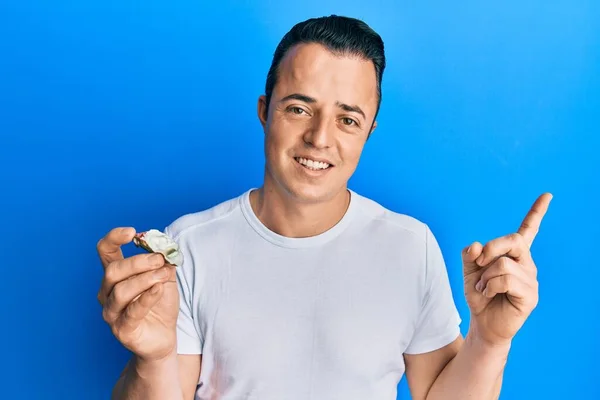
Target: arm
x,y
474,373
501,290
142,304
173,378
464,369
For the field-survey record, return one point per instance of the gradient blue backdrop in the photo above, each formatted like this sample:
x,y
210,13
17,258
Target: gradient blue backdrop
x,y
486,105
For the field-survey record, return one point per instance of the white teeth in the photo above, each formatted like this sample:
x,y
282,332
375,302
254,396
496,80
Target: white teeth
x,y
316,165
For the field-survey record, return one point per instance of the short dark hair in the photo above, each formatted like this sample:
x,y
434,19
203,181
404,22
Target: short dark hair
x,y
341,35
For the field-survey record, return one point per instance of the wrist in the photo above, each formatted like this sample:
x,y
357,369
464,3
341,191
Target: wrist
x,y
150,367
487,349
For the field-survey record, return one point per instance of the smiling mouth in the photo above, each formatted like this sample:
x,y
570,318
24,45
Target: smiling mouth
x,y
313,165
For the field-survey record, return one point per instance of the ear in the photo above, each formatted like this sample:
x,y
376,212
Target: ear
x,y
262,110
372,129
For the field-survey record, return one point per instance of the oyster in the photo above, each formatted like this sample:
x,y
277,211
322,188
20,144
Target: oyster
x,y
155,241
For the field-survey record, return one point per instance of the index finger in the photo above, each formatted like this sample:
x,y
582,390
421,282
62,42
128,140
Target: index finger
x,y
531,224
109,247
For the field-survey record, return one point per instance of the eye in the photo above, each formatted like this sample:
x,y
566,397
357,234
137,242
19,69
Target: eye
x,y
296,110
348,121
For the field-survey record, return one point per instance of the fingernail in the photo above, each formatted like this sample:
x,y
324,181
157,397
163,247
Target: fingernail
x,y
161,273
469,249
479,286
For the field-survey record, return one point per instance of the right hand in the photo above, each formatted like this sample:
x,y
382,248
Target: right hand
x,y
139,305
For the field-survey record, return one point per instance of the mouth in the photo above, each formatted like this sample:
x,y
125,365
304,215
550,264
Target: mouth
x,y
313,165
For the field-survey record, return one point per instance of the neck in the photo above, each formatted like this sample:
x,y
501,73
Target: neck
x,y
287,216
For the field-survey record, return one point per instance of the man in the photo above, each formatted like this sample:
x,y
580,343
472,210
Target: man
x,y
302,288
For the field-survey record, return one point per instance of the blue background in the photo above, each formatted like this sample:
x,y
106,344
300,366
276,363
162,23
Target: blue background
x,y
486,105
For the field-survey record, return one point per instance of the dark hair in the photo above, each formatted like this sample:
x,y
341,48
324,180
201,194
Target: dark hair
x,y
341,35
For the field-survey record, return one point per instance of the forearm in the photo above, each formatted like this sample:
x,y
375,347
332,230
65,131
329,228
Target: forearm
x,y
474,373
149,381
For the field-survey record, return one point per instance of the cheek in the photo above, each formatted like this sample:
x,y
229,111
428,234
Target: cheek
x,y
282,136
277,144
350,151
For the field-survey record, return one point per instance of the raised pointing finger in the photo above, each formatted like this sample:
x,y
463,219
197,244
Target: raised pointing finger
x,y
531,224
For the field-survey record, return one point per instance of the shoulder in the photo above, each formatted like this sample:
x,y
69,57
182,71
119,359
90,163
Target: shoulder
x,y
391,222
407,240
204,220
405,234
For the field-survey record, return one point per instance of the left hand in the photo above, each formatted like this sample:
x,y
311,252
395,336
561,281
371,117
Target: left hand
x,y
500,279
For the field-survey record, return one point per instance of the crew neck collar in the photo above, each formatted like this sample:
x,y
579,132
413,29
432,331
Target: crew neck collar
x,y
297,243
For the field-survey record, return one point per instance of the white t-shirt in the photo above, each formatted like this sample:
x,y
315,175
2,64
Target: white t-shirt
x,y
327,317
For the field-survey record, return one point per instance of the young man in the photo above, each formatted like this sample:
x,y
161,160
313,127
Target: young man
x,y
302,288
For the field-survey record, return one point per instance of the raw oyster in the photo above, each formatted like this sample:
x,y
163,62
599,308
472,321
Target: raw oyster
x,y
155,241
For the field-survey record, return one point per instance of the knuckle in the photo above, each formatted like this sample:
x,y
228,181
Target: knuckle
x,y
518,238
503,265
520,241
106,315
119,293
110,274
533,300
116,331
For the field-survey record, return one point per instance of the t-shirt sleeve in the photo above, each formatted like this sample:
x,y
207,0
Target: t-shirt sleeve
x,y
439,321
189,341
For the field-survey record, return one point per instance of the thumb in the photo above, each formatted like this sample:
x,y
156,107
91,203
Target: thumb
x,y
469,255
109,247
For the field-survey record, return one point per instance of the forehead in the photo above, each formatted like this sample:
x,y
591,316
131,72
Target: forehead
x,y
313,70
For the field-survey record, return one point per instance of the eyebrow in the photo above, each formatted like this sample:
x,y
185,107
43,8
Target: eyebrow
x,y
351,108
308,99
298,96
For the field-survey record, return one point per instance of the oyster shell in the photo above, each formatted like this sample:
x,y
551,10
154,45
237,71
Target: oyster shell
x,y
155,241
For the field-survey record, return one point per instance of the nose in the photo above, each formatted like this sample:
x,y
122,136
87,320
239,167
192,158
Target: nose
x,y
320,133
